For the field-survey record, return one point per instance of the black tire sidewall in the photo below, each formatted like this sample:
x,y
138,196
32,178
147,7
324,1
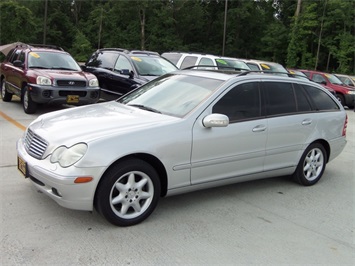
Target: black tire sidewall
x,y
299,173
31,105
102,198
6,96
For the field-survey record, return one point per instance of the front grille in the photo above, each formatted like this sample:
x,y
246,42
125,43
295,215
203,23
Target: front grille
x,y
71,83
66,93
35,145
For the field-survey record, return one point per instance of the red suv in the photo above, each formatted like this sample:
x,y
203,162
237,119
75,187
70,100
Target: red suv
x,y
45,74
345,94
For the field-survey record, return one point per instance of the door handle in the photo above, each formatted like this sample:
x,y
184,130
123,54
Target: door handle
x,y
306,122
259,128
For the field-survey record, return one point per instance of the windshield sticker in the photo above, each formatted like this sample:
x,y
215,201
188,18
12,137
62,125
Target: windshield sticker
x,y
136,59
264,66
35,55
327,75
221,61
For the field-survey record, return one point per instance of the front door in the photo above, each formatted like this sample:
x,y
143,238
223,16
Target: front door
x,y
228,152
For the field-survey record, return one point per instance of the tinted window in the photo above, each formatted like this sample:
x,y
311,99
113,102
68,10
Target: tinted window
x,y
303,104
280,98
22,57
15,56
241,102
104,60
321,99
188,61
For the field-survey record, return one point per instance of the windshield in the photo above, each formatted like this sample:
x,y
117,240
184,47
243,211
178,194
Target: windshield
x,y
334,80
174,95
50,60
152,65
228,63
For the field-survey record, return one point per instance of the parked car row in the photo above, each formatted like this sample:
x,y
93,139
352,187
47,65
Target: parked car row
x,y
47,74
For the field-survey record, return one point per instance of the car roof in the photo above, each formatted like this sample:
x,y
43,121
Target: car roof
x,y
129,52
229,75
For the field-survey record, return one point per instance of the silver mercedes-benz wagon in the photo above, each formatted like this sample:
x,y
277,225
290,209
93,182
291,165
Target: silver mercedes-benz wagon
x,y
184,131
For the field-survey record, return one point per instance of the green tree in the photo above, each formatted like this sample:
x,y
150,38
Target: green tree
x,y
17,23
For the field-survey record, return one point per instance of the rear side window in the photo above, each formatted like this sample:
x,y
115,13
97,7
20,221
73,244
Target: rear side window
x,y
188,61
174,58
280,98
321,99
240,103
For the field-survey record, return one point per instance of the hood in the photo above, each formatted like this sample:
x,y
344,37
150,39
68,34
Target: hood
x,y
90,122
63,74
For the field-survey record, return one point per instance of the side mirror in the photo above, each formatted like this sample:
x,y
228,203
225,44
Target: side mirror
x,y
215,120
127,72
18,63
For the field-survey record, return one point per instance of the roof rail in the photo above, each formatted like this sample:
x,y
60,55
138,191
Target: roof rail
x,y
217,67
46,46
267,72
144,52
113,49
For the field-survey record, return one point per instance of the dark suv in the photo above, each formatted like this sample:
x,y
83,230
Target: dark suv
x,y
120,71
46,74
345,94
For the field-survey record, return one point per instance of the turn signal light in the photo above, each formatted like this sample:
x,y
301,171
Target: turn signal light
x,y
83,179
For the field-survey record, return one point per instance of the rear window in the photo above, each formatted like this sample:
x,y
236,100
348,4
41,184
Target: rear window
x,y
321,99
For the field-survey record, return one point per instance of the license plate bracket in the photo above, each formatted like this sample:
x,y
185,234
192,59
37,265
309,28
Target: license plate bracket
x,y
22,166
72,98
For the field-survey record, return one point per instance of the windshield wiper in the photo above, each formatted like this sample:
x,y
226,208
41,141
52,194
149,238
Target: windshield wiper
x,y
41,67
64,68
147,108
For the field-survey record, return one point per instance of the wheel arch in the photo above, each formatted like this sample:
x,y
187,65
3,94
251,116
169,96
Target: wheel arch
x,y
326,146
152,160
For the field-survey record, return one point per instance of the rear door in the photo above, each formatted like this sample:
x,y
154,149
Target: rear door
x,y
290,123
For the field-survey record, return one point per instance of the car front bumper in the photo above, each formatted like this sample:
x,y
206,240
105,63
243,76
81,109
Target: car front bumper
x,y
58,183
64,95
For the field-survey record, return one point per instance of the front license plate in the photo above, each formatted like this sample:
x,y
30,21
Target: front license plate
x,y
72,98
22,166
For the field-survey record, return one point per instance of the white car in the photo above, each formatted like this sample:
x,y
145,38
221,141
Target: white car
x,y
205,61
184,131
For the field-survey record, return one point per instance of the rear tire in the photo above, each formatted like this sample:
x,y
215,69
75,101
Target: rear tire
x,y
341,99
128,192
29,106
311,166
5,95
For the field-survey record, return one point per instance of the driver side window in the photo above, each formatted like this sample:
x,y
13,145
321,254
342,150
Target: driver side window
x,y
122,63
240,103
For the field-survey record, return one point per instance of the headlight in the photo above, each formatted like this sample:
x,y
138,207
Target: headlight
x,y
43,81
68,156
351,92
93,83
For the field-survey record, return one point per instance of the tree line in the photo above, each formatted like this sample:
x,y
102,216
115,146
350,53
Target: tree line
x,y
307,34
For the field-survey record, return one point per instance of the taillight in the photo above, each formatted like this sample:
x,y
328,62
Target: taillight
x,y
345,126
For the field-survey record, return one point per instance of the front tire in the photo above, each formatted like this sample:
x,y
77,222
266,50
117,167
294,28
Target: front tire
x,y
29,106
128,193
311,166
5,95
